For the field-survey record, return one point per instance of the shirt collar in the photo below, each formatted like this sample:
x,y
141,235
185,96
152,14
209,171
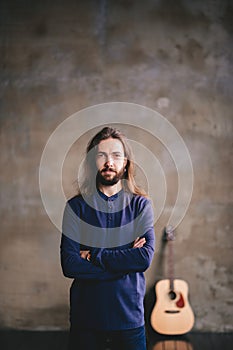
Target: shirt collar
x,y
111,198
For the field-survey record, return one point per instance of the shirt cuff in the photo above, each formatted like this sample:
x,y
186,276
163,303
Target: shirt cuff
x,y
96,257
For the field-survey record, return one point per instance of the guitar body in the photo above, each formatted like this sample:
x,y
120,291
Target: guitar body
x,y
172,313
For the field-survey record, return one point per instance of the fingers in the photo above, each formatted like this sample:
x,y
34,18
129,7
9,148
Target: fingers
x,y
85,254
139,242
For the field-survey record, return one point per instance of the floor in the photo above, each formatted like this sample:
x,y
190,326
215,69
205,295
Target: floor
x,y
28,340
192,341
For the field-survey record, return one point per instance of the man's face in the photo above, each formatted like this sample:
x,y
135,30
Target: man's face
x,y
110,162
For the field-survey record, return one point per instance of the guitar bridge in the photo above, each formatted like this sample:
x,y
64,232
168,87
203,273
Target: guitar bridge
x,y
172,311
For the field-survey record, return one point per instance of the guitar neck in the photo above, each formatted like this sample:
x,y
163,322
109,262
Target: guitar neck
x,y
171,283
170,239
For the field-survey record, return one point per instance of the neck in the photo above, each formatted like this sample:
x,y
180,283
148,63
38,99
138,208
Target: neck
x,y
111,190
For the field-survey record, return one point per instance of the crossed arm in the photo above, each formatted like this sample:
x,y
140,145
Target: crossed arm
x,y
106,264
138,243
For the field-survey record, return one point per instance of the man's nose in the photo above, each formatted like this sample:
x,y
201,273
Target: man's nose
x,y
109,159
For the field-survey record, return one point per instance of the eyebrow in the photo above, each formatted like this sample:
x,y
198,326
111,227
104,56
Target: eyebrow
x,y
114,153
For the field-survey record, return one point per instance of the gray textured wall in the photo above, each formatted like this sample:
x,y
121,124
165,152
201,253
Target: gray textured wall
x,y
59,57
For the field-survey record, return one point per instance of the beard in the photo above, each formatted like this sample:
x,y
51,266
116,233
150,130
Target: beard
x,y
109,179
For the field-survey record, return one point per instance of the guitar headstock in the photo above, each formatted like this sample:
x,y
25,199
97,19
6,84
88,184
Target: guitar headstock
x,y
169,233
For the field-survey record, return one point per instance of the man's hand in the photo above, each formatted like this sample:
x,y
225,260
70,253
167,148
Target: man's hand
x,y
139,242
85,254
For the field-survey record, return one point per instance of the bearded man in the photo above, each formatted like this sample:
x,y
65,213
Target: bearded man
x,y
107,244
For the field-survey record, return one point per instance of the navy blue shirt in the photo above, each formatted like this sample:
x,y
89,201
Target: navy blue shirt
x,y
107,292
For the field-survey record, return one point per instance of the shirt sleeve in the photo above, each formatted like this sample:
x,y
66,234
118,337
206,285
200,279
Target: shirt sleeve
x,y
131,259
73,266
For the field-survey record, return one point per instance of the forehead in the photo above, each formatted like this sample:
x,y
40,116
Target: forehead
x,y
110,145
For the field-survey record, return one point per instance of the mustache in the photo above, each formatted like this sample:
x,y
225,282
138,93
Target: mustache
x,y
108,169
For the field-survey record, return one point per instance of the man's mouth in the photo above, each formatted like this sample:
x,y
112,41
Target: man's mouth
x,y
108,171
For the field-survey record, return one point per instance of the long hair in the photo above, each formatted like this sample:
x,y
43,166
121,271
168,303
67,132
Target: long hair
x,y
88,186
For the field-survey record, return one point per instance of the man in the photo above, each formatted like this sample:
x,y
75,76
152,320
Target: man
x,y
107,244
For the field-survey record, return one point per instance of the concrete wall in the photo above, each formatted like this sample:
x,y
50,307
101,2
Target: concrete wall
x,y
59,57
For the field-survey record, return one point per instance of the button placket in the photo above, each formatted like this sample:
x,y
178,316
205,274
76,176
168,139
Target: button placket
x,y
110,209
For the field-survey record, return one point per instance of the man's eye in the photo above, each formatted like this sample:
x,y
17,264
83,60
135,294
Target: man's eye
x,y
100,155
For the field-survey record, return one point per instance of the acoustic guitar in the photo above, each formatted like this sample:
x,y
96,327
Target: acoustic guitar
x,y
172,313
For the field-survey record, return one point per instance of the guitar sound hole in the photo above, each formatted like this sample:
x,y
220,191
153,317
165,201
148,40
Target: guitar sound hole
x,y
172,295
